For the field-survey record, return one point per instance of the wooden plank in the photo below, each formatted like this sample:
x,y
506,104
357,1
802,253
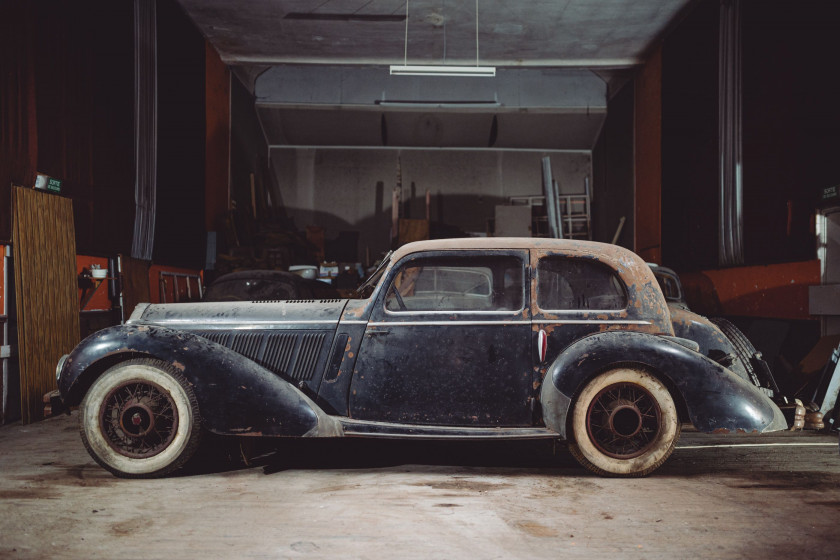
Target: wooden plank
x,y
135,283
45,290
217,140
413,230
648,156
3,303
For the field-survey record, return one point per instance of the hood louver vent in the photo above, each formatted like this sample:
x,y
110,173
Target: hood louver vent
x,y
291,354
279,350
247,344
219,337
310,349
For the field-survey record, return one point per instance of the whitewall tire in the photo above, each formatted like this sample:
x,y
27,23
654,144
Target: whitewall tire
x,y
624,423
140,419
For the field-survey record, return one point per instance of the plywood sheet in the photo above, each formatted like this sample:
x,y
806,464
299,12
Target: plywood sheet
x,y
45,289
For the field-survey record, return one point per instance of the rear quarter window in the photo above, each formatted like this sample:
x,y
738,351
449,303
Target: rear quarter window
x,y
567,284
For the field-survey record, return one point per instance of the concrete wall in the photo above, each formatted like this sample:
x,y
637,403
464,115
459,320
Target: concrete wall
x,y
350,189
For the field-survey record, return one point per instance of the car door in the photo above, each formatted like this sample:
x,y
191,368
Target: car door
x,y
448,343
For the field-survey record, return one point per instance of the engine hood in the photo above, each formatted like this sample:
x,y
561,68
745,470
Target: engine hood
x,y
297,314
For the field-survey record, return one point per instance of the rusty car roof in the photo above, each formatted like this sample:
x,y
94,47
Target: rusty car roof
x,y
645,297
596,249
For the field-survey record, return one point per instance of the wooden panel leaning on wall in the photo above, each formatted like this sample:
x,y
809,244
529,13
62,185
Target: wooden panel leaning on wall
x,y
45,287
135,283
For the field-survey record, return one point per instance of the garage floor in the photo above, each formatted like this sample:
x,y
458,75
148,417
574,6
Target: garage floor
x,y
743,497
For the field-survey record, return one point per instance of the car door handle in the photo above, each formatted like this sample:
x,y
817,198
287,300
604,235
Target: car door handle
x,y
542,345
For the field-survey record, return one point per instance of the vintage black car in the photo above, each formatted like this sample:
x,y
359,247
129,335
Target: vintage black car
x,y
459,339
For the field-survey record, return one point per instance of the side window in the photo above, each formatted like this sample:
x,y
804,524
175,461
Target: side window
x,y
493,283
578,284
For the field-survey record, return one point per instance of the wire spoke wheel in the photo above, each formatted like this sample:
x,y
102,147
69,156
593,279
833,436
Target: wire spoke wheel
x,y
138,419
623,423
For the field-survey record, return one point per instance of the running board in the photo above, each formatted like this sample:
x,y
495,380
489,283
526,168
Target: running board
x,y
367,428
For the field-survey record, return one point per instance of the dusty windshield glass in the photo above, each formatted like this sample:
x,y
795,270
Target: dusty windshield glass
x,y
368,285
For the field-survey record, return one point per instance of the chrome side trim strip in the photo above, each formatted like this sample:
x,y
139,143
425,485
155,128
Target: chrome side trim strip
x,y
590,321
454,311
443,323
244,324
471,323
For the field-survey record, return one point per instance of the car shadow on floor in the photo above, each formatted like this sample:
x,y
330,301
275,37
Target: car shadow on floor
x,y
277,455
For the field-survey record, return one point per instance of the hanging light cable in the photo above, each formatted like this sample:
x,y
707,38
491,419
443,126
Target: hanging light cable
x,y
445,69
476,35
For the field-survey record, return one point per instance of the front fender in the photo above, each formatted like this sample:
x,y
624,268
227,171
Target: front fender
x,y
235,395
717,400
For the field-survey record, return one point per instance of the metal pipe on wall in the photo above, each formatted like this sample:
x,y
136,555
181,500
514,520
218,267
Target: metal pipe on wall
x,y
730,202
145,127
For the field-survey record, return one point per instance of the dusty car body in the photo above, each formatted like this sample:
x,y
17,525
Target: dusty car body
x,y
464,338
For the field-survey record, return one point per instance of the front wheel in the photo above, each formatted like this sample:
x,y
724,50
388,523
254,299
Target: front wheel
x,y
624,423
140,419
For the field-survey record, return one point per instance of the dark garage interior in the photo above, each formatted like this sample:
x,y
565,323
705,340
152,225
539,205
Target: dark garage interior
x,y
218,155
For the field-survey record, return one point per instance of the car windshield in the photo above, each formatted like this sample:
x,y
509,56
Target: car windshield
x,y
374,278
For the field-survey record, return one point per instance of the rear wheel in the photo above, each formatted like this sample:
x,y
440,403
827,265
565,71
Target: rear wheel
x,y
140,419
624,423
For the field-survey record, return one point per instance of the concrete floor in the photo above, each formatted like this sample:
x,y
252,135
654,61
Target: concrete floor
x,y
764,497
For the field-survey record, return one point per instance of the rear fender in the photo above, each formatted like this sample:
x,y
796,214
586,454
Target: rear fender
x,y
716,399
713,343
235,395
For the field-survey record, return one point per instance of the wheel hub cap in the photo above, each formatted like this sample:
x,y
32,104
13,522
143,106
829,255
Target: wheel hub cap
x,y
625,419
137,419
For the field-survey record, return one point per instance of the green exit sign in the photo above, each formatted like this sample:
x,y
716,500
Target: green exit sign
x,y
54,185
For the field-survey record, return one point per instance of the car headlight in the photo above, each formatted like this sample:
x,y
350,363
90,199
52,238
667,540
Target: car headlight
x,y
60,365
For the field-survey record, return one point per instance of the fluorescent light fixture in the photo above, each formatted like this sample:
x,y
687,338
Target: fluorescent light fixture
x,y
311,16
439,104
472,71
